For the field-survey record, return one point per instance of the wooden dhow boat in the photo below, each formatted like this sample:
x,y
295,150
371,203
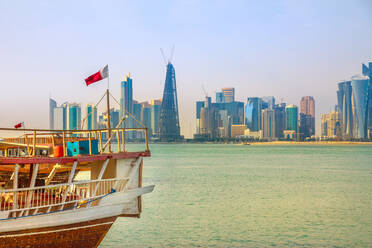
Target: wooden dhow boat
x,y
42,201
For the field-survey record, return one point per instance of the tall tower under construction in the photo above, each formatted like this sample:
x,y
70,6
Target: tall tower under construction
x,y
169,121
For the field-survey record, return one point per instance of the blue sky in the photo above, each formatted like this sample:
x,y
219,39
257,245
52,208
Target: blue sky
x,y
287,49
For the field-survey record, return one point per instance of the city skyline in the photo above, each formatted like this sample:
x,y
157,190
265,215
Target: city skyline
x,y
314,49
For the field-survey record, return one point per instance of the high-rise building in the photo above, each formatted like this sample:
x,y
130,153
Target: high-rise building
x,y
323,125
199,106
59,116
292,117
229,94
253,113
344,106
367,71
234,109
126,101
137,112
73,115
206,113
224,124
52,106
360,87
270,101
146,117
331,125
280,120
268,123
307,107
91,117
369,108
169,120
220,98
114,118
155,116
305,127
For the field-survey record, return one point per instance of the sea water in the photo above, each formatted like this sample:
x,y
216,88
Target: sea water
x,y
214,195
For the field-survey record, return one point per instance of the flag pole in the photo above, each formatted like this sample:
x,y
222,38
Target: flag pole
x,y
108,112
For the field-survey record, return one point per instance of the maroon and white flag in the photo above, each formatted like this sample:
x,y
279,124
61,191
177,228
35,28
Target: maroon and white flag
x,y
98,76
19,125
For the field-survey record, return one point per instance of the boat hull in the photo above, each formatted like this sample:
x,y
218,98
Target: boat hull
x,y
83,234
85,227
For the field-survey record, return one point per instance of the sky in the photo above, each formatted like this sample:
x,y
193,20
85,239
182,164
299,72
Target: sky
x,y
281,48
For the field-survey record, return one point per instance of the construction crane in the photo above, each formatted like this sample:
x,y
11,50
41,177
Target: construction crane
x,y
162,53
205,92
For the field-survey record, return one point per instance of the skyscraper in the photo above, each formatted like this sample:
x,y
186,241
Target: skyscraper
x,y
52,106
59,116
292,117
224,124
199,106
73,115
360,89
91,121
229,94
345,108
307,107
114,117
270,100
220,98
146,117
137,111
331,125
169,120
126,101
155,116
305,127
253,113
369,108
280,120
206,117
369,104
268,123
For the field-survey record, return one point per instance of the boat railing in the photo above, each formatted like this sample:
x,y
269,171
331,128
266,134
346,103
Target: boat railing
x,y
34,140
46,199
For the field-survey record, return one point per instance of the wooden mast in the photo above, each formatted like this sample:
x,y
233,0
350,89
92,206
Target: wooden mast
x,y
108,119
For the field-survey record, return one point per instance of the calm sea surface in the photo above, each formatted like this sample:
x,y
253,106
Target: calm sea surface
x,y
252,196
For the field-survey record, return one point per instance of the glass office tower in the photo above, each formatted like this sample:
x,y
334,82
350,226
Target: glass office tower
x,y
126,100
344,106
52,106
91,112
292,117
360,88
73,116
253,113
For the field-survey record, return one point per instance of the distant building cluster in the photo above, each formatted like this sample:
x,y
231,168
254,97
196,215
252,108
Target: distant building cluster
x,y
352,117
68,116
259,118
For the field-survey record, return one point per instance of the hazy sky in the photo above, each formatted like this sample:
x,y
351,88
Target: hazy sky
x,y
287,49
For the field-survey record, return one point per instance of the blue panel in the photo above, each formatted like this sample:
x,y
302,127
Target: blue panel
x,y
81,147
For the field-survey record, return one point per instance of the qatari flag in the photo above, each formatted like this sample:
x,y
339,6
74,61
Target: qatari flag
x,y
101,74
19,125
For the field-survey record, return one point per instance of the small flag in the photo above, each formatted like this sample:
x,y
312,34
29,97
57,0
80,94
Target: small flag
x,y
101,74
19,125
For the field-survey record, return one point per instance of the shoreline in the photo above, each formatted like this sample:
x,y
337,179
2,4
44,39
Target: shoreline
x,y
341,143
274,143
